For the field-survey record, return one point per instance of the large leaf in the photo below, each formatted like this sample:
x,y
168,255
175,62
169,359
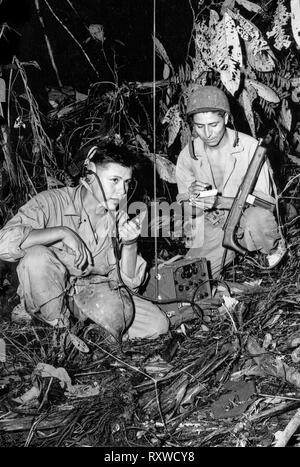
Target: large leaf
x,y
227,4
166,71
185,134
249,5
161,52
286,115
203,58
214,19
165,168
295,17
263,91
246,100
260,61
259,54
172,117
227,53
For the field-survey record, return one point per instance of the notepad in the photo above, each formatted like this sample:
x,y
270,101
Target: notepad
x,y
206,193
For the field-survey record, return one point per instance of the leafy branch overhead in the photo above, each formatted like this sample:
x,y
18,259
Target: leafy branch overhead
x,y
230,50
250,49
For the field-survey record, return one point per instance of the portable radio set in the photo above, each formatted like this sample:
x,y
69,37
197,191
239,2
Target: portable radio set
x,y
183,280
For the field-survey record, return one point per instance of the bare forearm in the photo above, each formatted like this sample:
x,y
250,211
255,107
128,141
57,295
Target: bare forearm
x,y
46,237
128,259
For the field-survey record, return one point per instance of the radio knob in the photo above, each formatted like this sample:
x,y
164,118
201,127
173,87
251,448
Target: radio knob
x,y
189,272
180,288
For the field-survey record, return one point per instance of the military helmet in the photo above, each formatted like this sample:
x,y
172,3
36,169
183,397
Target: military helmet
x,y
207,99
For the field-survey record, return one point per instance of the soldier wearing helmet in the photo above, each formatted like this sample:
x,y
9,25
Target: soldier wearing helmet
x,y
218,157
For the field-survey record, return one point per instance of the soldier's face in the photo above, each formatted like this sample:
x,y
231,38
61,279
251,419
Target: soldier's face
x,y
115,180
210,127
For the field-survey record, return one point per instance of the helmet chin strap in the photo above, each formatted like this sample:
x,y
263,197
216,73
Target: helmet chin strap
x,y
192,148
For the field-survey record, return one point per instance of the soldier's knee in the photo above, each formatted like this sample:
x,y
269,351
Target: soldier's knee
x,y
254,215
36,257
40,261
160,323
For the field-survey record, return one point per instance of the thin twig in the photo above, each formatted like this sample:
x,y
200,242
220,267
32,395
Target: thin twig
x,y
33,428
73,37
50,52
289,430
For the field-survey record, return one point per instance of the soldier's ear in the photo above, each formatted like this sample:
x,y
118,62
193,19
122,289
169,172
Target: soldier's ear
x,y
91,166
226,118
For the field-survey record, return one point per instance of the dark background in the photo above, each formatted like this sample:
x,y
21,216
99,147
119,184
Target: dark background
x,y
128,28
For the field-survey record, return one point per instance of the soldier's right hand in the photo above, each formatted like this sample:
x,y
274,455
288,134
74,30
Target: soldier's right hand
x,y
197,186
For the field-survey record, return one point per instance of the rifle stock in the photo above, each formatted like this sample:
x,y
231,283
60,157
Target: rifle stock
x,y
225,202
240,201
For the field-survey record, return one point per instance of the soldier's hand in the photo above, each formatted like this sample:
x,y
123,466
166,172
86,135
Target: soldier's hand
x,y
197,186
72,241
204,203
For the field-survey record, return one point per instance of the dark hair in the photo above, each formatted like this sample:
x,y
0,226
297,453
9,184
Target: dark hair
x,y
190,118
221,113
111,153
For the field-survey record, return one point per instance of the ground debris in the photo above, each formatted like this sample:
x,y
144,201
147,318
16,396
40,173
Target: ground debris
x,y
231,379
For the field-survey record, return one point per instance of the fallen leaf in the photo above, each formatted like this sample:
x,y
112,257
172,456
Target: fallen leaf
x,y
48,371
267,340
28,396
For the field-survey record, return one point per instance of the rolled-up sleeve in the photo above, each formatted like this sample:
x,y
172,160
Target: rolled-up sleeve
x,y
184,171
31,216
139,275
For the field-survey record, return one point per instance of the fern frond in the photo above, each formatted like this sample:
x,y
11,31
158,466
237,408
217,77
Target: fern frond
x,y
281,19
